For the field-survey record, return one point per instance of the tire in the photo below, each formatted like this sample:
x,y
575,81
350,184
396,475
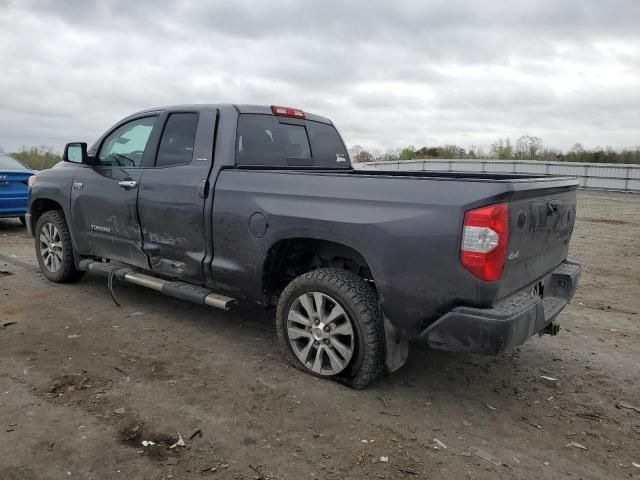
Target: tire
x,y
355,358
23,221
53,248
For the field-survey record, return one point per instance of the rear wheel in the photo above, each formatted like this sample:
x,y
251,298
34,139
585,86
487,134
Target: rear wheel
x,y
329,324
53,248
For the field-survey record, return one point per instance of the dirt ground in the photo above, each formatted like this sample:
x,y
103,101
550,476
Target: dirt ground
x,y
83,383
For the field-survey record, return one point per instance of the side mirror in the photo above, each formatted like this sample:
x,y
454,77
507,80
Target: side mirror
x,y
76,153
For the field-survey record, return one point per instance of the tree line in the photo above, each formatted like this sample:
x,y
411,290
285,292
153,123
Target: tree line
x,y
526,147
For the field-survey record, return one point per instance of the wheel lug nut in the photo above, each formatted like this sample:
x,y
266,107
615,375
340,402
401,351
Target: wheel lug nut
x,y
316,343
326,342
317,322
326,328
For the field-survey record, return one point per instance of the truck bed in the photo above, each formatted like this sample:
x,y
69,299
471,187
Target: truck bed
x,y
376,211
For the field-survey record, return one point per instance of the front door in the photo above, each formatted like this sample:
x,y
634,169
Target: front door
x,y
104,196
172,195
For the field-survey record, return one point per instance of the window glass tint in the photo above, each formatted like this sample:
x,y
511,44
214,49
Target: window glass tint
x,y
178,138
297,143
259,141
8,162
126,145
268,140
326,145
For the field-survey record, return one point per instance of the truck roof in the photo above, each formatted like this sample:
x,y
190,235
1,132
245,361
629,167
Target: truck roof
x,y
240,108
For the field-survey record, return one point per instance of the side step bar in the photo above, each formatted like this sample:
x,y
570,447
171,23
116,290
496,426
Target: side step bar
x,y
180,290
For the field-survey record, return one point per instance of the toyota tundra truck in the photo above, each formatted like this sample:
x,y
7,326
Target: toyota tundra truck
x,y
218,203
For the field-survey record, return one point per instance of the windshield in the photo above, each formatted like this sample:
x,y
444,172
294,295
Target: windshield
x,y
8,162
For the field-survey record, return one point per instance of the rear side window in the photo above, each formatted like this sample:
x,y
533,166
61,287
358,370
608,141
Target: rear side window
x,y
178,138
265,140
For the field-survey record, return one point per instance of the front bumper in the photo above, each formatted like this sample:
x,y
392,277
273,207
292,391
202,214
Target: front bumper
x,y
510,322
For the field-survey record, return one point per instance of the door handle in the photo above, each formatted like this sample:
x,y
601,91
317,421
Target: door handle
x,y
126,184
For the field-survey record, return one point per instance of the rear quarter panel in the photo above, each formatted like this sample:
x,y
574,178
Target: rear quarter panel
x,y
14,193
407,229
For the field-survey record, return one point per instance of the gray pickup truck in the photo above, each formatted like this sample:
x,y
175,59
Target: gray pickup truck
x,y
215,203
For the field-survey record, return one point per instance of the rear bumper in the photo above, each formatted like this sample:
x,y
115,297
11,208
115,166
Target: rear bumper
x,y
11,213
14,205
509,323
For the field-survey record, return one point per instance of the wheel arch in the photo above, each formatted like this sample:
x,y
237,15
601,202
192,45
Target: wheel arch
x,y
290,257
41,205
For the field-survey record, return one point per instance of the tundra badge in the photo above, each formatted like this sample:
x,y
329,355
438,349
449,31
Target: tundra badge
x,y
100,228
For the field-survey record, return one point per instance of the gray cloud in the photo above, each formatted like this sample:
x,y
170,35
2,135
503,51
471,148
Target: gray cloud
x,y
388,73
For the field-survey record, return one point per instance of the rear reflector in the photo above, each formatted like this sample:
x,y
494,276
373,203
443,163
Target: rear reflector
x,y
484,241
287,111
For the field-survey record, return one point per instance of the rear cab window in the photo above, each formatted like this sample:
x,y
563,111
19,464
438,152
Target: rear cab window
x,y
268,140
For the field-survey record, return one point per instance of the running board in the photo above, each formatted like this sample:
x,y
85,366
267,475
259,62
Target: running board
x,y
180,290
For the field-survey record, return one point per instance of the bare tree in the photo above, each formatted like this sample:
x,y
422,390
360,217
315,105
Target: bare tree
x,y
363,156
502,149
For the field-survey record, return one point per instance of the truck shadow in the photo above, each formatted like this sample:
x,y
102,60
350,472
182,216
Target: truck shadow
x,y
427,373
11,225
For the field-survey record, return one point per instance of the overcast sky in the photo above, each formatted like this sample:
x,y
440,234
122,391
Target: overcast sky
x,y
389,74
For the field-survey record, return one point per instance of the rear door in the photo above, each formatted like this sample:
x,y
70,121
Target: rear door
x,y
172,194
104,195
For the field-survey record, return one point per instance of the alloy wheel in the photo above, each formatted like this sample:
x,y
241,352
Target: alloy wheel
x,y
320,333
51,247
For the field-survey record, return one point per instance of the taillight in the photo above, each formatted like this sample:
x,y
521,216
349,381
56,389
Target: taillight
x,y
484,241
287,111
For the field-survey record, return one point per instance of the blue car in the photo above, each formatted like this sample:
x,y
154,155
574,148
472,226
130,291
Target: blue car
x,y
14,187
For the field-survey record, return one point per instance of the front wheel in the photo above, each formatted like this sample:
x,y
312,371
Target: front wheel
x,y
53,248
329,324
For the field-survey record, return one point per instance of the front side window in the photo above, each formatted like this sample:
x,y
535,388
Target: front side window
x,y
178,139
125,146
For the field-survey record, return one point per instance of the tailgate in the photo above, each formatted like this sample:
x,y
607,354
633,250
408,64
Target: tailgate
x,y
541,221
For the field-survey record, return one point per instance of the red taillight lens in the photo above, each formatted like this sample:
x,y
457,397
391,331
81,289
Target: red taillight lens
x,y
287,111
484,241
